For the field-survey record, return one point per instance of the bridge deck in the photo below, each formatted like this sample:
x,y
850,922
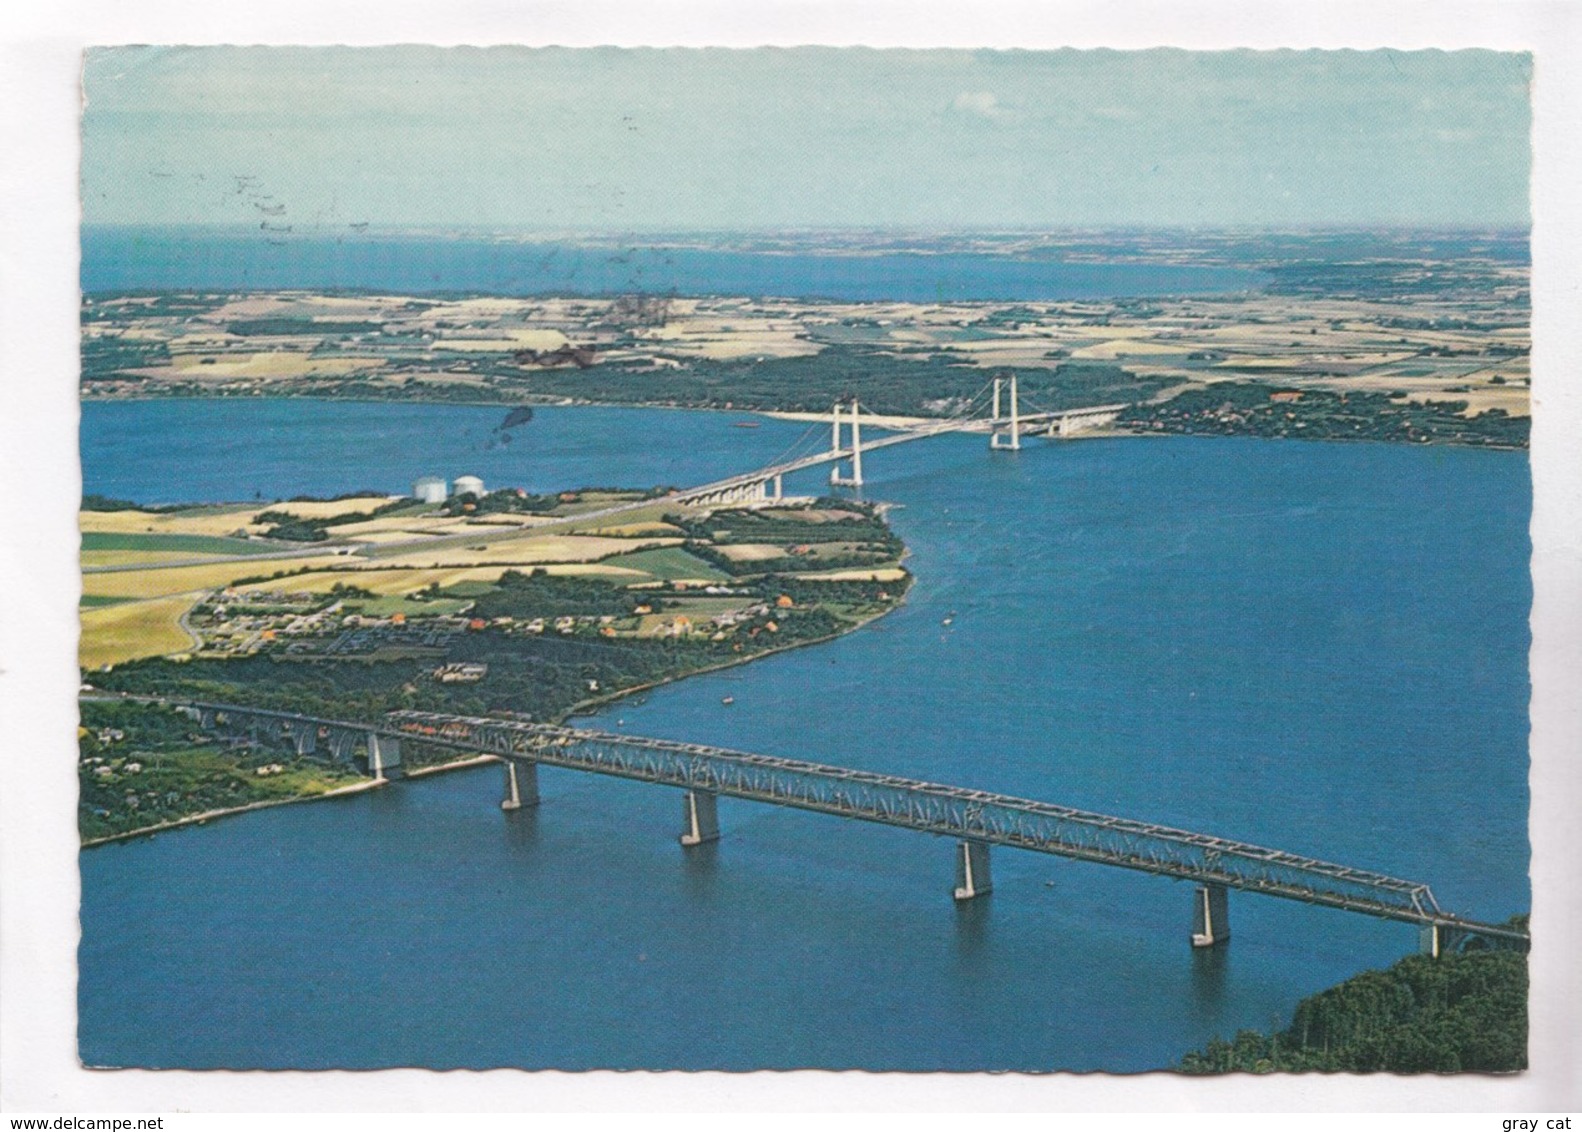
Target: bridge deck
x,y
974,815
899,436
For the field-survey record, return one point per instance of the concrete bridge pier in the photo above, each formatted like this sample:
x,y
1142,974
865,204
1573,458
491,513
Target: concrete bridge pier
x,y
700,821
521,785
304,738
1210,915
779,492
384,756
972,870
1011,441
1434,940
234,729
855,479
341,742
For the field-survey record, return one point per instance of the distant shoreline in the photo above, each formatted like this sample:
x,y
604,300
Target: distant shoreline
x,y
879,421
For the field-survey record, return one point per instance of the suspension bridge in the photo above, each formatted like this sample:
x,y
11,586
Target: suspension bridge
x,y
1005,423
976,819
998,400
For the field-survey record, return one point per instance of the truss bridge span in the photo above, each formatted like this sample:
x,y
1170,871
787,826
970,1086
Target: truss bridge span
x,y
976,819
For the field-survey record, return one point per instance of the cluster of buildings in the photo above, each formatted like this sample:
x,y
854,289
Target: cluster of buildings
x,y
461,673
433,489
361,635
240,622
718,627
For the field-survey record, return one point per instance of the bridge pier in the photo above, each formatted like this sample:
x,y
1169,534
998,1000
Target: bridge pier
x,y
1434,940
976,820
855,479
972,870
521,785
996,437
779,492
304,738
384,755
341,742
1210,915
700,821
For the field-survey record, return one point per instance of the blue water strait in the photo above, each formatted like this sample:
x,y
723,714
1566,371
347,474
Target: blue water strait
x,y
1317,647
129,259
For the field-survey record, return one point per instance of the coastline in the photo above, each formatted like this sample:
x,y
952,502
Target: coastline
x,y
200,819
340,791
584,707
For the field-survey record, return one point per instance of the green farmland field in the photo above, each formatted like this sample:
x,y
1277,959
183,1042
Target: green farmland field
x,y
176,544
667,564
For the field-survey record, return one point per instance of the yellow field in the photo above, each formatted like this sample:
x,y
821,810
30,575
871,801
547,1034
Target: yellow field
x,y
330,509
118,633
635,530
221,521
542,549
387,582
189,579
595,570
751,551
637,516
883,574
1128,347
303,306
381,582
750,336
508,340
268,363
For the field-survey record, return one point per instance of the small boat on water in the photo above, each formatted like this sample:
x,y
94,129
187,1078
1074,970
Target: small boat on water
x,y
747,424
727,700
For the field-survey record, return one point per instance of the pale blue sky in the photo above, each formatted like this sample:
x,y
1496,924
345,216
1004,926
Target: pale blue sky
x,y
629,140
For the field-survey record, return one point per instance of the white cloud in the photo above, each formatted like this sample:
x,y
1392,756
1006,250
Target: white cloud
x,y
980,102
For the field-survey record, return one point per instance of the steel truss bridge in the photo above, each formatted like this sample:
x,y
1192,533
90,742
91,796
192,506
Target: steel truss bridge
x,y
978,819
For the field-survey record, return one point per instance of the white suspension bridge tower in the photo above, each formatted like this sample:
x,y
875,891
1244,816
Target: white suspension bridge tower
x,y
1010,441
835,478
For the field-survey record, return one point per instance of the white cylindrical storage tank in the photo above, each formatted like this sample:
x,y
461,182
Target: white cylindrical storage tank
x,y
468,485
430,489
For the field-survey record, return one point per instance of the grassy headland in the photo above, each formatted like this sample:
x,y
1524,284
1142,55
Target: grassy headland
x,y
532,623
